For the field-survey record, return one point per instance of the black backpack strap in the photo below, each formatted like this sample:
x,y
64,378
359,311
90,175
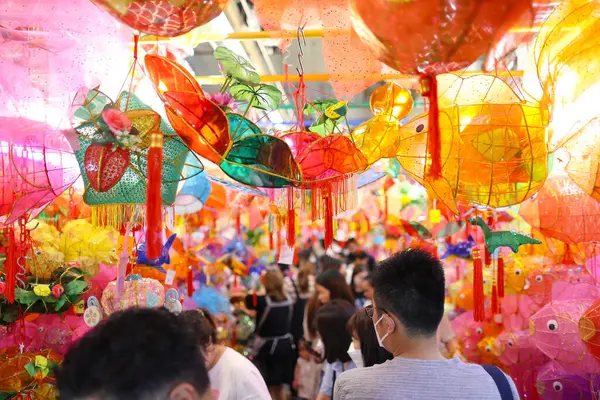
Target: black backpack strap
x,y
501,381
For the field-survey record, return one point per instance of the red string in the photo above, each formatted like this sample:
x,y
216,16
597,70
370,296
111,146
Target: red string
x,y
328,219
11,266
190,281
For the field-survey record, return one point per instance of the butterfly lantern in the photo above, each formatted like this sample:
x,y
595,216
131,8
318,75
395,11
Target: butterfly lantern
x,y
319,162
163,17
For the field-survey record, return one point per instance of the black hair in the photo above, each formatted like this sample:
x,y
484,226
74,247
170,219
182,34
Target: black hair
x,y
201,325
331,323
349,242
134,354
410,285
328,263
361,327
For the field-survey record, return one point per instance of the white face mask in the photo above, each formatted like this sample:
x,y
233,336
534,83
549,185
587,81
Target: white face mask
x,y
380,340
355,355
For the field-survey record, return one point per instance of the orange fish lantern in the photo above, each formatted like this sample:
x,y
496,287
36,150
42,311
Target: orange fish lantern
x,y
492,147
563,211
163,17
444,37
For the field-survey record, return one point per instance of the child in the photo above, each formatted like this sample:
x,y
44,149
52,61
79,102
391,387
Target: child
x,y
304,376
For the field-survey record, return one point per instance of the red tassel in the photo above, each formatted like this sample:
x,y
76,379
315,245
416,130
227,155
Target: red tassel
x,y
11,266
238,223
488,257
495,309
429,89
154,197
254,298
235,280
328,220
271,244
500,277
291,223
478,294
190,281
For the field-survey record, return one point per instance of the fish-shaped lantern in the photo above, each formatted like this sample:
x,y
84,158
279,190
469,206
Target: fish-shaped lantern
x,y
555,331
554,382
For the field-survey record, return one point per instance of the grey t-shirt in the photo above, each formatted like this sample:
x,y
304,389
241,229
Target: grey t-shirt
x,y
414,379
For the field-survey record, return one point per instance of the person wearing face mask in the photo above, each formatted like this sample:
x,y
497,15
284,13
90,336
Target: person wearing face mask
x,y
407,308
232,376
364,349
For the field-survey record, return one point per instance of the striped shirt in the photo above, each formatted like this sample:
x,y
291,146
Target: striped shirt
x,y
289,287
415,379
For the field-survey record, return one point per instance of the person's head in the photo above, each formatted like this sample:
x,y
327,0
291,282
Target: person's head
x,y
408,302
362,330
331,323
351,246
201,325
135,354
303,280
273,281
332,285
304,260
328,263
367,287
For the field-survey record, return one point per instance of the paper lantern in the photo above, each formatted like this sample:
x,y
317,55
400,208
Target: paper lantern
x,y
554,382
556,332
37,166
163,17
589,328
564,211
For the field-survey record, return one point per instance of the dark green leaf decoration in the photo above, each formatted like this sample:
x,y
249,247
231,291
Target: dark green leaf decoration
x,y
26,297
264,97
235,66
75,288
60,303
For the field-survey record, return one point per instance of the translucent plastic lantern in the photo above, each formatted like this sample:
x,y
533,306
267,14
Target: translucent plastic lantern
x,y
163,17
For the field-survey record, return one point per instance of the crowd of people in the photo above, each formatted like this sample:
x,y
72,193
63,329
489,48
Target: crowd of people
x,y
332,327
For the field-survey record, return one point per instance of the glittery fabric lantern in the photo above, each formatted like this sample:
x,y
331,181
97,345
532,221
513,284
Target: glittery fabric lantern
x,y
115,143
163,17
143,292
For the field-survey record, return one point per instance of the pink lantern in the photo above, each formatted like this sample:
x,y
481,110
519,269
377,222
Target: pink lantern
x,y
36,164
555,331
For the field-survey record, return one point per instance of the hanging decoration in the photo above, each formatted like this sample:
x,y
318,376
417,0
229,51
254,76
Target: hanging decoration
x,y
163,17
